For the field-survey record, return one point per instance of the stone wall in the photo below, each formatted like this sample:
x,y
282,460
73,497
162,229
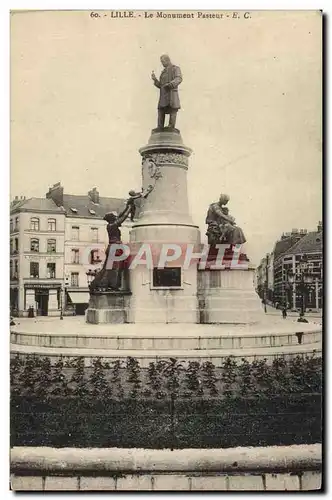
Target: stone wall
x,y
284,468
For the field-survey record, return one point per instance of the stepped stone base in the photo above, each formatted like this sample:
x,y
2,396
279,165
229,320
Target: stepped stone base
x,y
108,307
148,342
228,296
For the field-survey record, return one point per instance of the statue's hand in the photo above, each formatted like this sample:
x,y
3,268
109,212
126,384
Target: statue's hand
x,y
153,76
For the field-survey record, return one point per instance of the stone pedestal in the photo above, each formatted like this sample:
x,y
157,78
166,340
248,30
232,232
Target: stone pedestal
x,y
228,296
108,307
164,220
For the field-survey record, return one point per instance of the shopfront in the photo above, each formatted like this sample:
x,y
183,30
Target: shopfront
x,y
43,298
78,301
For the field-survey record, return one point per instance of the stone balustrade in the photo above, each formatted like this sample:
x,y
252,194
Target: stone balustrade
x,y
278,468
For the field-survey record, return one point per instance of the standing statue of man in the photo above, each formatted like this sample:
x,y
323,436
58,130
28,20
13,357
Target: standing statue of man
x,y
169,102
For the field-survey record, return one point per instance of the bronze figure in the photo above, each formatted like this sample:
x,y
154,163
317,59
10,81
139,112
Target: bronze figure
x,y
221,226
169,102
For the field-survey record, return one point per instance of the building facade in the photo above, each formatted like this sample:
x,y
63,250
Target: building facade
x,y
37,234
85,240
54,241
287,257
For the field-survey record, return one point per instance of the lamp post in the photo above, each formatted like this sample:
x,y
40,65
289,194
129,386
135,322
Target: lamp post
x,y
265,296
63,296
90,276
62,300
303,278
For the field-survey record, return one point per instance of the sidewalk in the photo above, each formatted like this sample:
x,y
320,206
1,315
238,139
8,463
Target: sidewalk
x,y
278,312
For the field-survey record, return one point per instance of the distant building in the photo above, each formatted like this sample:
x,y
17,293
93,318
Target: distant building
x,y
285,258
54,241
265,278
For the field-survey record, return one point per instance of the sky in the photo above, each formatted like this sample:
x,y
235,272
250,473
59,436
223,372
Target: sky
x,y
83,103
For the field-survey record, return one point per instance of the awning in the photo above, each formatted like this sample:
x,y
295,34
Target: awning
x,y
79,297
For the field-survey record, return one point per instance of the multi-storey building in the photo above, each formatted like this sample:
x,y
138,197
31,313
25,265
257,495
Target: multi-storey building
x,y
85,240
37,233
287,254
265,278
54,241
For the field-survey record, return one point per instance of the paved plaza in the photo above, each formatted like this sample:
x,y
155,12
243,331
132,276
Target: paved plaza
x,y
76,325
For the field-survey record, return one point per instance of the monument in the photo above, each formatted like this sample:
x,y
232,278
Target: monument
x,y
169,102
174,291
168,295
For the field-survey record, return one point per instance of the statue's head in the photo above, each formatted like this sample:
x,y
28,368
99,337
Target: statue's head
x,y
165,60
110,217
223,199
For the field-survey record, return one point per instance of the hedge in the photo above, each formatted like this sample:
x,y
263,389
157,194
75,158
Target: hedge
x,y
166,405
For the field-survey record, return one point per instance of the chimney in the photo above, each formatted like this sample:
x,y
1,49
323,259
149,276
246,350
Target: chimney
x,y
14,201
55,193
94,195
320,226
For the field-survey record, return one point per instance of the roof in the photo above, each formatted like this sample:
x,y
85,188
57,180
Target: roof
x,y
35,205
282,246
311,242
83,203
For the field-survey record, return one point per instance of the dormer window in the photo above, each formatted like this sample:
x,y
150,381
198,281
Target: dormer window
x,y
92,212
73,210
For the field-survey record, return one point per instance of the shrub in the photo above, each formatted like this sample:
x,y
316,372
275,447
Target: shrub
x,y
133,376
228,376
192,378
209,378
99,387
117,388
172,371
59,383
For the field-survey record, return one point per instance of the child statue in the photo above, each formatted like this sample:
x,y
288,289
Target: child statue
x,y
134,195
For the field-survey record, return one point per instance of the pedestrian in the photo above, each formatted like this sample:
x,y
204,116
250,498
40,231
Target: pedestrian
x,y
284,312
302,319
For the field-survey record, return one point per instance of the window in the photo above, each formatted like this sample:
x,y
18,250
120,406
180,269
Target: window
x,y
16,269
34,224
16,245
74,279
94,257
11,246
51,245
50,270
17,225
34,269
51,224
94,231
167,277
34,245
75,256
75,233
11,269
11,225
